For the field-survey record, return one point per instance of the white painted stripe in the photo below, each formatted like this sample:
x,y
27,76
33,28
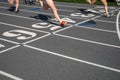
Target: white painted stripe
x,y
74,59
87,20
9,41
9,75
94,17
109,7
104,21
15,15
117,24
70,26
37,38
113,12
22,27
55,28
93,28
89,41
9,48
97,29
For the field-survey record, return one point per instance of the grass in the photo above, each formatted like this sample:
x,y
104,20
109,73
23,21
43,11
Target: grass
x,y
84,2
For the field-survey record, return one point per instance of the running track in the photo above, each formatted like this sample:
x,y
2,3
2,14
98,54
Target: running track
x,y
31,48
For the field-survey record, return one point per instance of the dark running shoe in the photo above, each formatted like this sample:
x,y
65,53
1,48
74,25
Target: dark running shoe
x,y
16,11
12,8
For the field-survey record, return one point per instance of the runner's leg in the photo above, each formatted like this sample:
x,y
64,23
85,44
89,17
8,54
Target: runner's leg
x,y
105,7
43,4
11,5
89,1
17,6
51,4
11,2
93,1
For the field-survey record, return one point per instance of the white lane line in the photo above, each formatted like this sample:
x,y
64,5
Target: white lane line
x,y
89,41
74,59
104,21
97,29
17,16
117,24
23,27
70,26
9,41
9,48
9,75
36,39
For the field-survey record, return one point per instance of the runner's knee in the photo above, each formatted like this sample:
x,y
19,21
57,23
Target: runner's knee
x,y
104,2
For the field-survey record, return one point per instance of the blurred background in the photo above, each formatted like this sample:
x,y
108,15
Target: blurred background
x,y
110,2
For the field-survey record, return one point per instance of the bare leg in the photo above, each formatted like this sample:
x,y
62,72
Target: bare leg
x,y
11,2
54,10
50,4
40,3
17,5
43,5
91,2
105,6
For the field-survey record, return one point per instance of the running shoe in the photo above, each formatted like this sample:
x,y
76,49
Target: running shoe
x,y
16,11
12,8
108,15
63,23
